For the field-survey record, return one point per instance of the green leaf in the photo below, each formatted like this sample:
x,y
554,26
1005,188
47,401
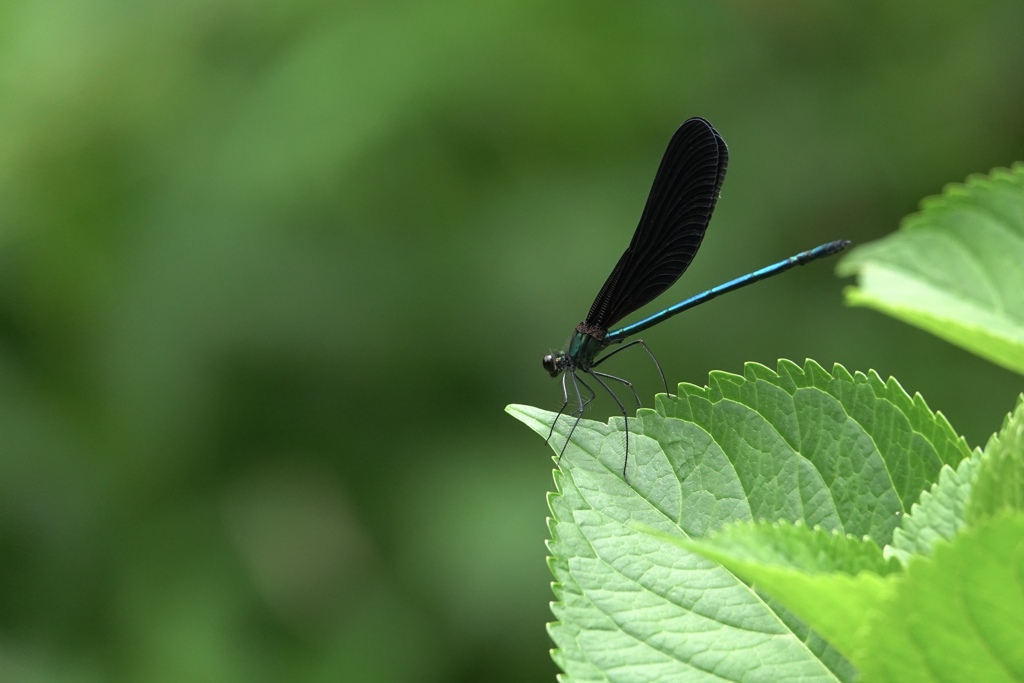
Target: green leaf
x,y
872,445
1000,483
939,515
797,547
956,616
831,581
954,268
848,453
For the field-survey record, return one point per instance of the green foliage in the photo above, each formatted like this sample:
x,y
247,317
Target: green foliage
x,y
940,513
797,547
1000,483
901,625
954,268
898,626
843,453
955,616
837,527
832,581
850,526
874,445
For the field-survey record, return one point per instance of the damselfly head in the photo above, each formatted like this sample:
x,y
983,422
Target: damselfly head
x,y
553,364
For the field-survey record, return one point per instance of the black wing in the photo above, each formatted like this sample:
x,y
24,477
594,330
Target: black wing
x,y
672,226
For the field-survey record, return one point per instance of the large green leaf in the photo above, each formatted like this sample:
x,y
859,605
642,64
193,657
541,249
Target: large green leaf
x,y
954,269
956,616
848,453
832,581
953,616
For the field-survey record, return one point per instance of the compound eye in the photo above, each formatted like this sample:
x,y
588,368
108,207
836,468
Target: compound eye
x,y
550,365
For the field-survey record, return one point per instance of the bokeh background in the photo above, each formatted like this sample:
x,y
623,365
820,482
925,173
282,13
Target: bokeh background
x,y
270,271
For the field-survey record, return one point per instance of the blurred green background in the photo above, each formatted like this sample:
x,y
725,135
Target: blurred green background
x,y
269,273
